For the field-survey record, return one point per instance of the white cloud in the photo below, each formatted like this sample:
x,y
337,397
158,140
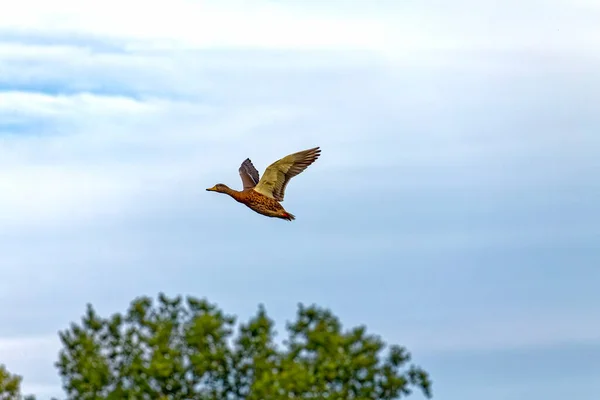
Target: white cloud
x,y
73,107
401,31
195,23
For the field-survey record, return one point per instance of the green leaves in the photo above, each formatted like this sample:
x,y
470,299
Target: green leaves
x,y
176,349
10,386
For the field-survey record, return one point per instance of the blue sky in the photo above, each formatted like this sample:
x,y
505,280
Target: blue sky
x,y
454,209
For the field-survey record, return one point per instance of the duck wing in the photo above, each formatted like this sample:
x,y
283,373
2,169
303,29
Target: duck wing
x,y
249,174
277,175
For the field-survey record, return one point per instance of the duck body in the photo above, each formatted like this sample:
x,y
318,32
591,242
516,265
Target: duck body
x,y
255,201
264,195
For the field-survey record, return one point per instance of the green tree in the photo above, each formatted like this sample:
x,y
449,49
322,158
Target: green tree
x,y
178,350
10,386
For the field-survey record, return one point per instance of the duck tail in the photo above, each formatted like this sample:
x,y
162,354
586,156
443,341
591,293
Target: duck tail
x,y
288,216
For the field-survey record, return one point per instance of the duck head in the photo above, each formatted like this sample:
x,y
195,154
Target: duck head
x,y
219,187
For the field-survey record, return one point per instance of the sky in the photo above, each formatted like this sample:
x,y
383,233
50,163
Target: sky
x,y
455,208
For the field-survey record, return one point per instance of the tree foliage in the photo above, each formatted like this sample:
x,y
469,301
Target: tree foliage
x,y
189,349
10,386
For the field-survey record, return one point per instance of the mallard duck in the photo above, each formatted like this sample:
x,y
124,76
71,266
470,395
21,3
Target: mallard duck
x,y
264,195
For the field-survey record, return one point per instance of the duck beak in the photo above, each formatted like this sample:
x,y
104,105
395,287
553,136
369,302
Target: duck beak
x,y
212,189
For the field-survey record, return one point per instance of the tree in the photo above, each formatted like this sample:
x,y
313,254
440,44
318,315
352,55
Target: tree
x,y
10,386
180,350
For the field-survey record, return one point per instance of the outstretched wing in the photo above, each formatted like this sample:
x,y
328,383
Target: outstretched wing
x,y
249,174
278,174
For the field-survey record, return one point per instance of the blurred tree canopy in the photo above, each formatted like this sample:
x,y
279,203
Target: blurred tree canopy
x,y
189,349
10,386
